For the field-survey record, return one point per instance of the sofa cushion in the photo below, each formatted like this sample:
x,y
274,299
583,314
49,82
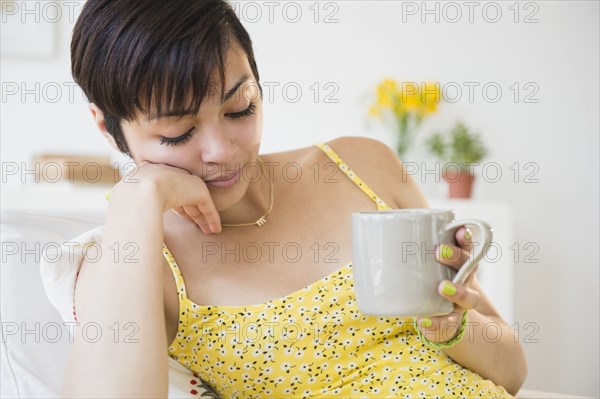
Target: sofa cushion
x,y
35,341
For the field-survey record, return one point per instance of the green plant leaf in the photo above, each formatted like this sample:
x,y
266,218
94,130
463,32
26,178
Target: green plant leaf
x,y
463,147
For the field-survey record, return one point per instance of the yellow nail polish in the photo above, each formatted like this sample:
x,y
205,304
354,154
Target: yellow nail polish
x,y
448,288
107,195
425,322
447,252
468,234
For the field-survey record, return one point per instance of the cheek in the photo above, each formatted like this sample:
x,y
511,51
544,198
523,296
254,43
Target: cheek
x,y
181,158
247,132
152,151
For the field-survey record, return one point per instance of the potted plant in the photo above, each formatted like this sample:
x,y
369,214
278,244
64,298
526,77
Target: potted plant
x,y
404,105
462,150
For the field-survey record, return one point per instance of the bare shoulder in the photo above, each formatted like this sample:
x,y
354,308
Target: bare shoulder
x,y
381,169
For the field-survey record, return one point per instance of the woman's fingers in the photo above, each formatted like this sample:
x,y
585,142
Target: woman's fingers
x,y
456,256
204,215
444,328
199,218
451,255
464,238
208,214
440,328
214,219
462,296
201,209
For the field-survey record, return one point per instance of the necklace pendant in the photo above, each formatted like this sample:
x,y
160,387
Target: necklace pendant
x,y
261,221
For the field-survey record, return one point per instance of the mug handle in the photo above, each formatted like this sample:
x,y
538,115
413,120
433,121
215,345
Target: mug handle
x,y
486,232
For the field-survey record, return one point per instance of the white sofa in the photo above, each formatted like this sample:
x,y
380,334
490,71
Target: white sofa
x,y
35,340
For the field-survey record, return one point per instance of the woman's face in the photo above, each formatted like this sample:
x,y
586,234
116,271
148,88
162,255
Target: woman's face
x,y
216,142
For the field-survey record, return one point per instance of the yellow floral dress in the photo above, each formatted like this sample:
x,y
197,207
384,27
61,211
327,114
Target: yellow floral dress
x,y
314,343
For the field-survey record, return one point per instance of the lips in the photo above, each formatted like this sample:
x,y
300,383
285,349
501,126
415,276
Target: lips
x,y
224,181
222,178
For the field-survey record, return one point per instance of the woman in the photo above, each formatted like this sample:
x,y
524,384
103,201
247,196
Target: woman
x,y
212,224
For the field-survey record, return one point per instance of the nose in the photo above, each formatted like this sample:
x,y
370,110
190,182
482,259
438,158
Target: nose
x,y
217,148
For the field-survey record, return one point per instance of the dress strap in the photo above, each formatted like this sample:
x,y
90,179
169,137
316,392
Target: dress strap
x,y
381,205
178,279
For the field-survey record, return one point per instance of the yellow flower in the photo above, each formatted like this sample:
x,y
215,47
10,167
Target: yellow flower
x,y
409,95
399,108
385,93
388,84
415,98
383,99
411,101
430,97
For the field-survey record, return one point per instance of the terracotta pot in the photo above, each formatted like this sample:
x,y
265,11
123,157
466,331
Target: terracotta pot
x,y
460,182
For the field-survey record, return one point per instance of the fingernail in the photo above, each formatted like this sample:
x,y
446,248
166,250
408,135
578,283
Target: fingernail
x,y
425,322
214,228
107,195
448,288
467,235
446,251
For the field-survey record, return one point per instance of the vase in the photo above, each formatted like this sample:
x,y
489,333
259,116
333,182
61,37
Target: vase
x,y
460,183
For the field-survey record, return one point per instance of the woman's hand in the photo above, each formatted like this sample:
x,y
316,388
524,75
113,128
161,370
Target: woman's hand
x,y
175,189
443,328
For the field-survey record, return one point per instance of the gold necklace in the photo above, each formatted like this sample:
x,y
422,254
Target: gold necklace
x,y
261,220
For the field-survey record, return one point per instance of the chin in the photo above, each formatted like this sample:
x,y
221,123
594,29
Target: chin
x,y
225,198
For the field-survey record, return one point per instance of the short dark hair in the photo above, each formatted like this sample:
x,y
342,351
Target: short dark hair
x,y
127,55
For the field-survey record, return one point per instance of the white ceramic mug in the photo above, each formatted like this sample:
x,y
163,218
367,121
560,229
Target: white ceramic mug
x,y
393,260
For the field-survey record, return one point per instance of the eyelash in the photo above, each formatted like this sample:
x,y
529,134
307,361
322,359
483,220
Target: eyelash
x,y
187,135
245,113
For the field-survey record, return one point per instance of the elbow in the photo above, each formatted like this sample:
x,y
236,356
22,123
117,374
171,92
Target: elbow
x,y
518,377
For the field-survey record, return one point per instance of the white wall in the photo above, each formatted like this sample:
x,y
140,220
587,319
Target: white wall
x,y
558,134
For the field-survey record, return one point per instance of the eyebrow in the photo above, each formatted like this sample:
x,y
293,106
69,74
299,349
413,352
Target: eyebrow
x,y
172,113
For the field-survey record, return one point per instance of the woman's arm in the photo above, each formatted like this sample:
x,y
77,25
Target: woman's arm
x,y
121,294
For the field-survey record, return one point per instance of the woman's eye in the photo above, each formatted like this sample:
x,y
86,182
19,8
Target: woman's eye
x,y
177,140
242,114
186,136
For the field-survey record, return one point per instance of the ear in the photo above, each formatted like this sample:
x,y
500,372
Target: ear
x,y
98,116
